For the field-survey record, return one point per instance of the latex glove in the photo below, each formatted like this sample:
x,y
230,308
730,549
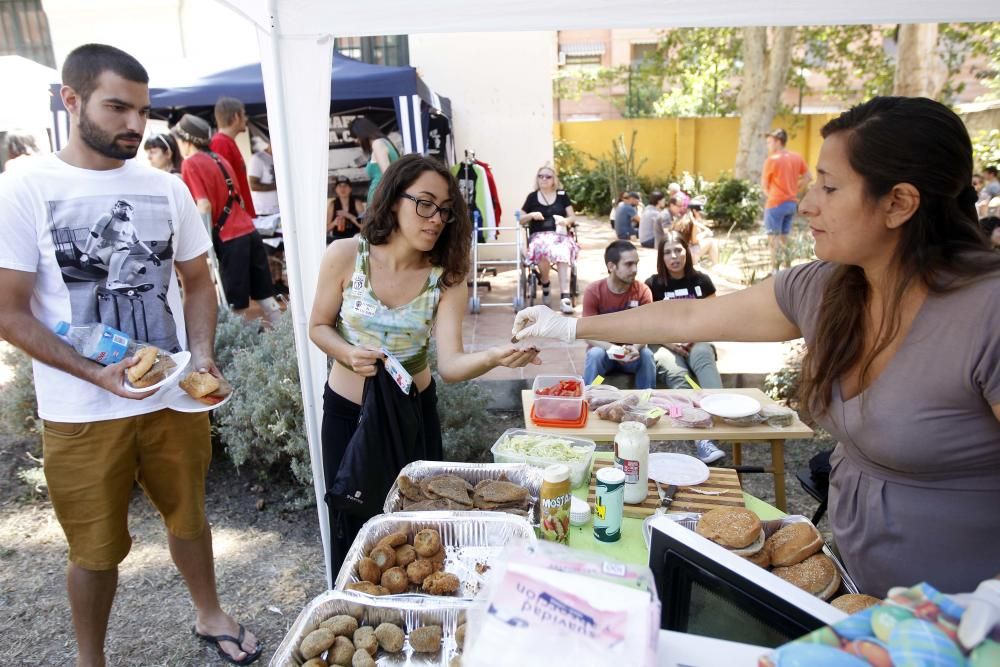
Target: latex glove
x,y
542,322
982,612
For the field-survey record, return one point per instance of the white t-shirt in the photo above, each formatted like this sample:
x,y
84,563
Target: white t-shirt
x,y
262,166
86,234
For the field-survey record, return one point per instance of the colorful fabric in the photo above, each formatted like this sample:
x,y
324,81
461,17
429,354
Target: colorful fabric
x,y
374,171
552,246
404,331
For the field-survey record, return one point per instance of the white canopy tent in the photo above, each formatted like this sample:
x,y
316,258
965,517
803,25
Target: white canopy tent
x,y
296,42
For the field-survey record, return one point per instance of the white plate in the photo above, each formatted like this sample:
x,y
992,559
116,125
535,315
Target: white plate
x,y
177,399
181,358
679,469
730,406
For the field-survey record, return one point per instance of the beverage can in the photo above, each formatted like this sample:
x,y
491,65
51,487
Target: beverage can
x,y
632,457
609,504
555,500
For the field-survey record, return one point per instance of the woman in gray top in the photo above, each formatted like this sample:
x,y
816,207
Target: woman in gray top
x,y
901,319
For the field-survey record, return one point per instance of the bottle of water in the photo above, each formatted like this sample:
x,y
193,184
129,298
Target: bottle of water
x,y
98,341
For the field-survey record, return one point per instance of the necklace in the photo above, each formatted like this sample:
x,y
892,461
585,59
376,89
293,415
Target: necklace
x,y
544,200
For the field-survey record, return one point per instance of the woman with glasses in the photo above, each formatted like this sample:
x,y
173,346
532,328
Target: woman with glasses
x,y
548,214
676,278
400,278
164,154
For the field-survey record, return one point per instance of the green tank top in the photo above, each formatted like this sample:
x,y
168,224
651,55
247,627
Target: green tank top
x,y
375,172
404,331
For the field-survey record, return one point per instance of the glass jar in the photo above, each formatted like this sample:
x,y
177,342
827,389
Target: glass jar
x,y
632,456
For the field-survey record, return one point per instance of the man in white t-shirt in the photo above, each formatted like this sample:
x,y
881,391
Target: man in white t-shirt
x,y
99,438
263,190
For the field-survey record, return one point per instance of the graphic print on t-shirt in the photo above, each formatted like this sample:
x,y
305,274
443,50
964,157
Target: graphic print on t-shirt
x,y
116,257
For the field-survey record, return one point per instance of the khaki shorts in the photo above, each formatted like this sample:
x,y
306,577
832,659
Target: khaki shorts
x,y
90,469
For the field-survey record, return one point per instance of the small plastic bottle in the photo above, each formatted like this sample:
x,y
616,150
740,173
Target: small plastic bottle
x,y
555,499
632,456
98,342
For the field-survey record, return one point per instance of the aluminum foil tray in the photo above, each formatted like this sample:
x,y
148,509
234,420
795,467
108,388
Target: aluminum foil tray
x,y
519,473
405,611
471,540
770,526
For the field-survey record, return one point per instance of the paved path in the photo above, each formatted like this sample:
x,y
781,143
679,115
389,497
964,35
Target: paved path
x,y
493,324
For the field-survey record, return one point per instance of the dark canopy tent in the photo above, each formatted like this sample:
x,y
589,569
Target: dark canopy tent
x,y
355,86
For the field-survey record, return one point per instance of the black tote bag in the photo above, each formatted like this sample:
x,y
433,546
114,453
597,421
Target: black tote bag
x,y
390,434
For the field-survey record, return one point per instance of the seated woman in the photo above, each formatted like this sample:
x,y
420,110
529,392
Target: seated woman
x,y
400,278
343,211
676,278
549,215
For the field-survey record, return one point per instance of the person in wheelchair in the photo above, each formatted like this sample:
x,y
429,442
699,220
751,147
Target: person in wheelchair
x,y
548,214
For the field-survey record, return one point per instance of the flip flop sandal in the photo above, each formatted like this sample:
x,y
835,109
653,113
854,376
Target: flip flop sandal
x,y
216,641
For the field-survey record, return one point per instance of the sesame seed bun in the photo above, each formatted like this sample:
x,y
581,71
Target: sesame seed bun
x,y
793,544
852,603
733,528
816,575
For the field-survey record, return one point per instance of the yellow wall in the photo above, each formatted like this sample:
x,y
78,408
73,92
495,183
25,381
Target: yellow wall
x,y
705,146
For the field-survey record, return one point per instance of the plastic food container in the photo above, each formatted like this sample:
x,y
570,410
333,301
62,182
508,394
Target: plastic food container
x,y
579,470
557,408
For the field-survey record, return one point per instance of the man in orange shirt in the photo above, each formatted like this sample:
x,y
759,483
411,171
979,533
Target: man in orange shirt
x,y
785,175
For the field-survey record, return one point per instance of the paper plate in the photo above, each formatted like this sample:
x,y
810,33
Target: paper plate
x,y
180,358
730,406
179,400
679,469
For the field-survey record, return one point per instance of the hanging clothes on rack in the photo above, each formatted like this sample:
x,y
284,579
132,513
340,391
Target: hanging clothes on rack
x,y
474,184
494,195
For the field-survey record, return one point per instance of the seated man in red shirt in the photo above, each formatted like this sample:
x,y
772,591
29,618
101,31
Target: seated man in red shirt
x,y
619,291
242,257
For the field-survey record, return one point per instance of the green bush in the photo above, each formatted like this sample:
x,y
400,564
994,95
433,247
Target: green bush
x,y
468,429
595,189
734,203
783,385
18,406
986,148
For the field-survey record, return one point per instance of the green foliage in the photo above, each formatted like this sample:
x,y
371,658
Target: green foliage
x,y
594,189
783,385
734,203
700,67
852,58
468,430
986,148
18,406
263,425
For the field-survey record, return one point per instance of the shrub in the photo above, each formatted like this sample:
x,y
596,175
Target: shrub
x,y
734,203
263,425
986,148
18,406
468,429
783,385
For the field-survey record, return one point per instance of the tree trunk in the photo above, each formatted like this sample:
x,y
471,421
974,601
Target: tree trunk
x,y
765,70
920,72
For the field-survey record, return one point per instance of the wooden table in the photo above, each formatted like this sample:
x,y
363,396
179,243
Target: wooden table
x,y
600,430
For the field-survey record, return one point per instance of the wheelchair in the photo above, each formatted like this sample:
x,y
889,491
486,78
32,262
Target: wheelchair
x,y
530,278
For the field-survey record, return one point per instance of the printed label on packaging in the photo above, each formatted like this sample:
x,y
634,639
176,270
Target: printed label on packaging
x,y
631,469
400,376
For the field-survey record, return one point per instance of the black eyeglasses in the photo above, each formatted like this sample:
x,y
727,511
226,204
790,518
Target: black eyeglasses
x,y
426,209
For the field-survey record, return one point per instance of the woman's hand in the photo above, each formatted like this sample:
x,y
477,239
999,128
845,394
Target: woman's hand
x,y
362,360
542,322
514,356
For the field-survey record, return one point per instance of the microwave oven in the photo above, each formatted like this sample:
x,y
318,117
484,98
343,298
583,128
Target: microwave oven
x,y
706,590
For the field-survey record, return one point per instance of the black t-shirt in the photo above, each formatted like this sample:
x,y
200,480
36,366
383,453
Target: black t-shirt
x,y
557,207
697,287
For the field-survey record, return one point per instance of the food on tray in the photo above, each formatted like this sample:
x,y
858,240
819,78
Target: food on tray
x,y
460,636
564,388
646,414
153,365
205,387
427,542
691,418
816,575
852,603
390,637
364,638
419,570
500,495
368,570
395,580
315,662
778,416
316,642
793,544
761,559
394,540
426,639
749,420
440,583
342,625
405,554
362,659
601,394
342,652
734,528
384,557
550,448
367,587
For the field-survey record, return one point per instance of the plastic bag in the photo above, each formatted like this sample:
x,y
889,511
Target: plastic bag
x,y
691,418
646,414
615,411
551,605
390,434
598,395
